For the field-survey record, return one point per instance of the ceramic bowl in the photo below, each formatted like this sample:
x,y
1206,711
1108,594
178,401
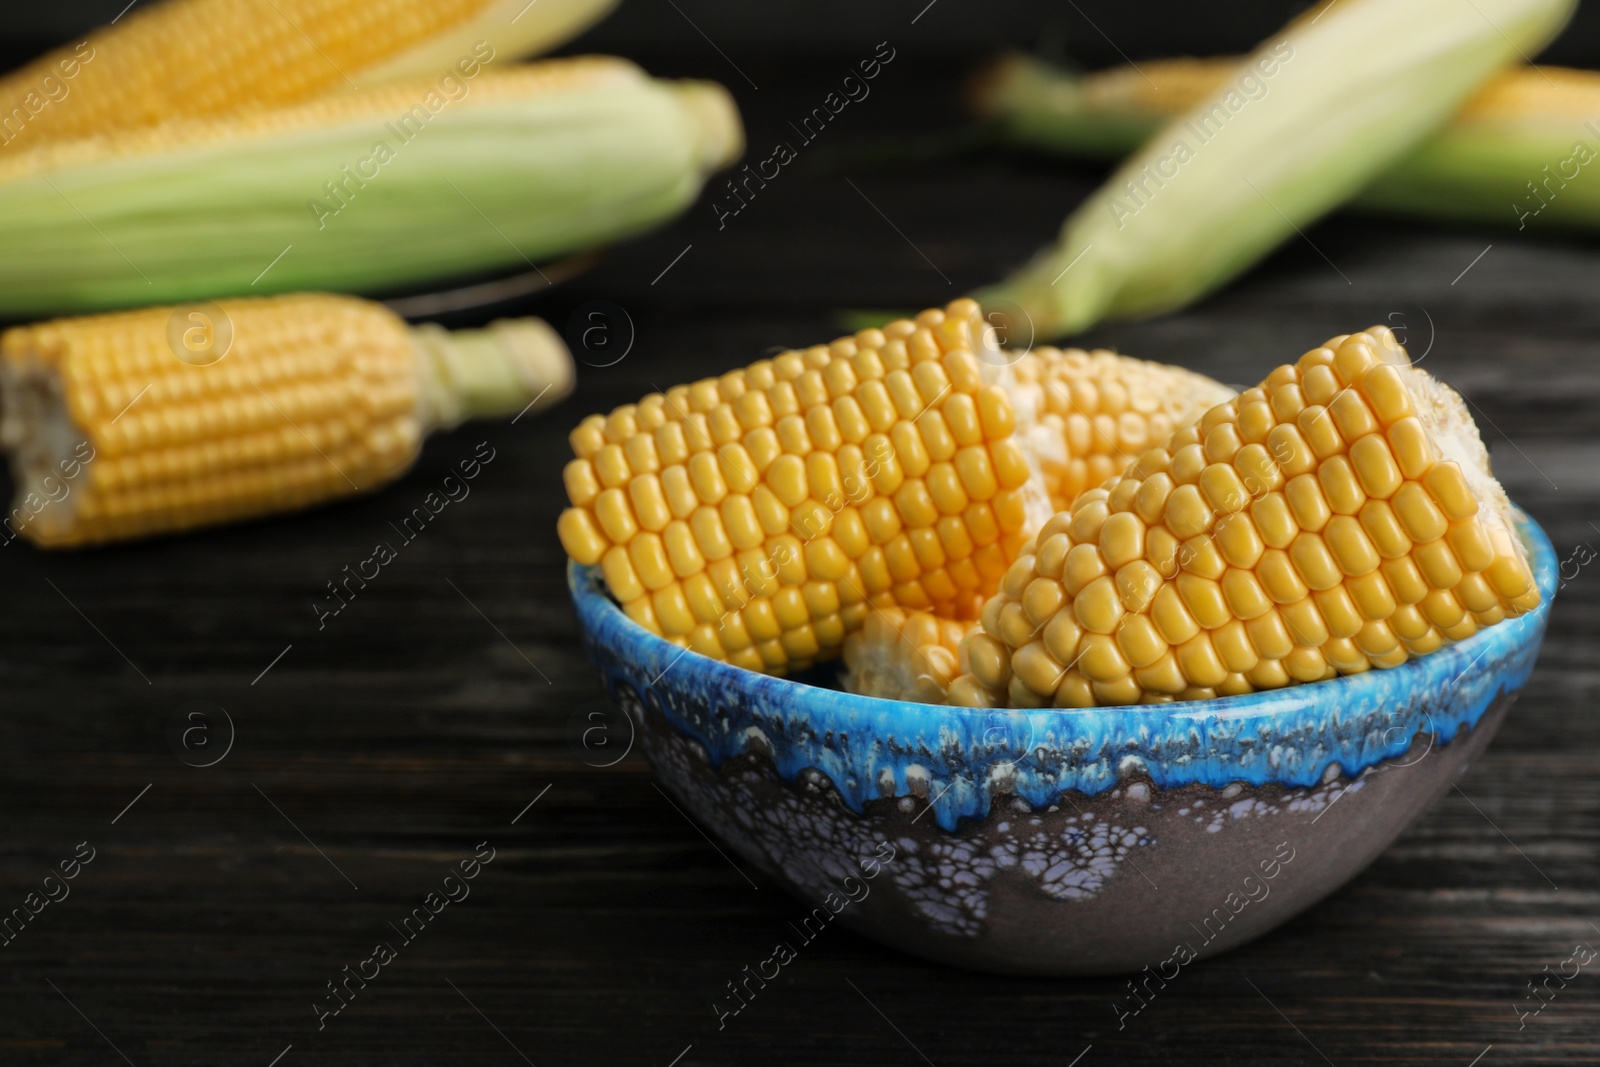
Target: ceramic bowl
x,y
1060,841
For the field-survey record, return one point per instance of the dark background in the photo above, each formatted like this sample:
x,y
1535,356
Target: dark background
x,y
376,753
956,29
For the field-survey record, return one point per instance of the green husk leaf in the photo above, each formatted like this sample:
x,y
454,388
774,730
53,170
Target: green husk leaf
x,y
1354,88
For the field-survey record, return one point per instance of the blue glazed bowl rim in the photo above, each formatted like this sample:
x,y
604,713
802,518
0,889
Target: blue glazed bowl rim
x,y
794,708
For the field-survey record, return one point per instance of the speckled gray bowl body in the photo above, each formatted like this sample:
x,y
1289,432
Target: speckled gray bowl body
x,y
1059,842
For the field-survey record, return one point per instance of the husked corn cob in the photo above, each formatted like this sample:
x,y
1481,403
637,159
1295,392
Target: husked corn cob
x,y
752,517
1509,154
1352,90
1340,516
273,404
759,517
1092,413
200,58
359,191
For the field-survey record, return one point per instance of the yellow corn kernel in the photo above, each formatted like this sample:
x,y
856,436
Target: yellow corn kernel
x,y
1414,450
1418,513
1245,596
1321,434
1352,416
1448,486
1340,486
1306,501
1383,527
1274,520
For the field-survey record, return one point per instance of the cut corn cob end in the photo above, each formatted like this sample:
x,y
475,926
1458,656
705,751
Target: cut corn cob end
x,y
1085,416
1340,516
904,655
758,517
112,434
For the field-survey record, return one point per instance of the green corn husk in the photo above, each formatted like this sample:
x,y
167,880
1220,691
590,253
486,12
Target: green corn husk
x,y
1104,115
530,163
1510,155
1352,89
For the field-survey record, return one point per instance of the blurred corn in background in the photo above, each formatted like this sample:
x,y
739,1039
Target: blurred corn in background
x,y
1333,100
1502,158
163,419
213,148
195,58
358,191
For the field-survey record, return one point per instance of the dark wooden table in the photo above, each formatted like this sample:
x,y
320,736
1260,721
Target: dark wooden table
x,y
440,709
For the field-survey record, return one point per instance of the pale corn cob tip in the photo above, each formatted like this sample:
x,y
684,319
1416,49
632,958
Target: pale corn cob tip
x,y
1340,516
386,102
901,655
194,58
716,117
511,366
759,517
164,419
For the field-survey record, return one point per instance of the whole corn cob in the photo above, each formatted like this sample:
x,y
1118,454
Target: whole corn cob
x,y
759,517
360,191
1510,154
163,419
1350,92
203,58
1340,516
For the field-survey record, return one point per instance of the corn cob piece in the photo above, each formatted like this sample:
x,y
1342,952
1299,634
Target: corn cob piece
x,y
1351,91
1087,415
752,517
208,58
357,192
759,517
1340,516
1509,155
163,419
